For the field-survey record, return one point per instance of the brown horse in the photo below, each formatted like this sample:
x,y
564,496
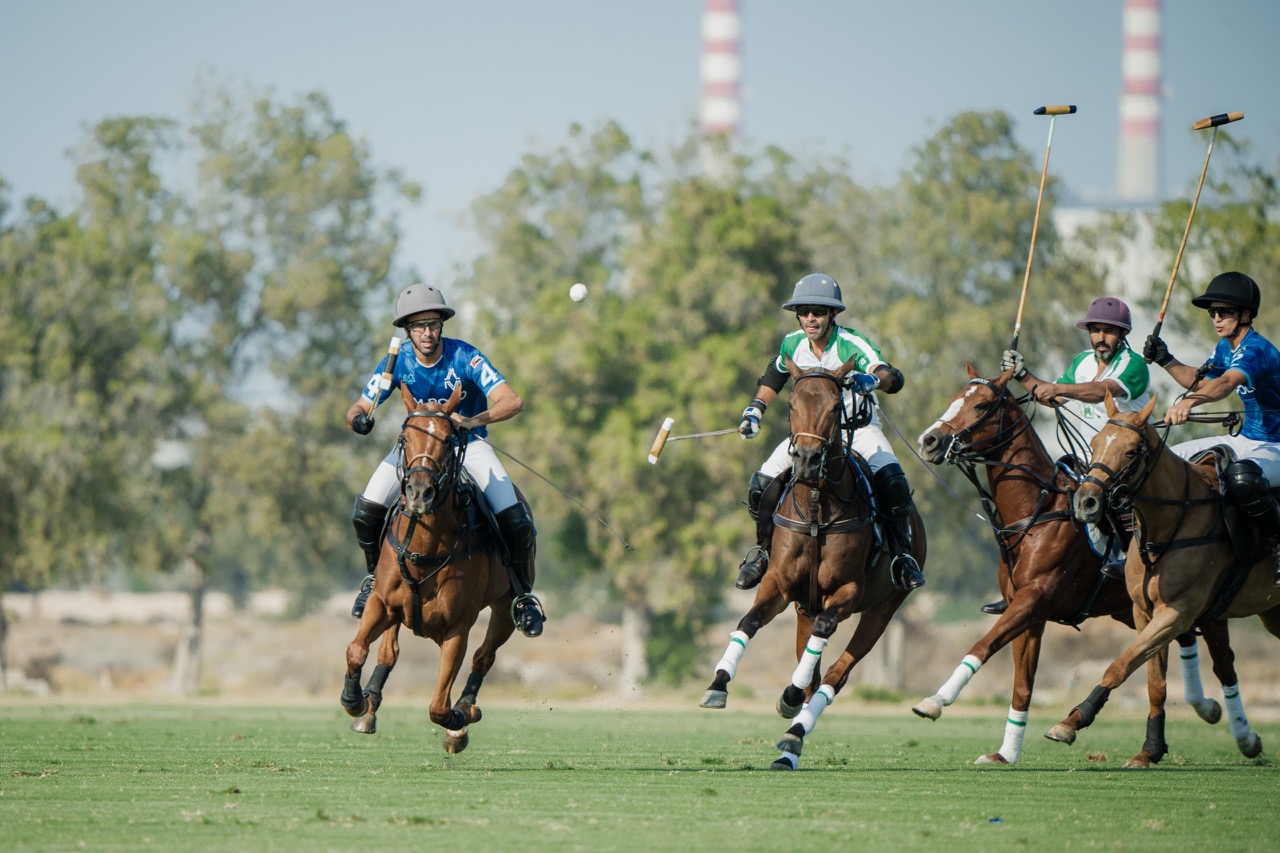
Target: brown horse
x,y
1182,568
438,569
827,556
1047,571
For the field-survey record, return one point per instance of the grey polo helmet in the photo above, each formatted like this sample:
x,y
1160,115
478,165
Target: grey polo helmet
x,y
1109,310
1233,288
815,289
417,298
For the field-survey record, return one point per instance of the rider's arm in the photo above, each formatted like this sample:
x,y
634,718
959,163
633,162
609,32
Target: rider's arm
x,y
360,405
1085,392
1209,391
504,404
891,378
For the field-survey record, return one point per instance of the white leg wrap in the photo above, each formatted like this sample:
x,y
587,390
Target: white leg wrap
x,y
1193,690
825,695
1236,719
733,654
803,676
965,671
1015,728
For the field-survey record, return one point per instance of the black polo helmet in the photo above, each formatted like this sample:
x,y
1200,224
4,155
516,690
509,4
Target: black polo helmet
x,y
1232,288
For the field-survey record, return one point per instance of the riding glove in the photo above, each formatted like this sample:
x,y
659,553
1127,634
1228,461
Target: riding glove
x,y
750,426
1156,350
1011,359
362,424
862,383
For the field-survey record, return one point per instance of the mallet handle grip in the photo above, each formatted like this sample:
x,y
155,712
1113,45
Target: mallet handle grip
x,y
1060,110
388,372
1218,120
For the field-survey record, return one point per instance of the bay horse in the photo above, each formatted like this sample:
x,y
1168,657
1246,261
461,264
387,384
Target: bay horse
x,y
1183,566
440,566
1047,572
827,555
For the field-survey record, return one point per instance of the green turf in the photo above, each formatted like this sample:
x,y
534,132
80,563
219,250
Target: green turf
x,y
220,777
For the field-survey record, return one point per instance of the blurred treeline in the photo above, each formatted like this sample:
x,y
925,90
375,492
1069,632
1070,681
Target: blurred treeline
x,y
180,345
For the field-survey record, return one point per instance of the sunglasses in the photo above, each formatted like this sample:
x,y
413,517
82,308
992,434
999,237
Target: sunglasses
x,y
421,326
815,310
1228,313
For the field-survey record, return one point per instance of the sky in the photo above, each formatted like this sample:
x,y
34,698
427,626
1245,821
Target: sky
x,y
453,93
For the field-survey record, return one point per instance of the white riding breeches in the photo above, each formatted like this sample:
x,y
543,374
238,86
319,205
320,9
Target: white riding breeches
x,y
481,463
1265,453
868,442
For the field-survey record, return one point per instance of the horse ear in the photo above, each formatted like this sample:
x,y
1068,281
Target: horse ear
x,y
1149,408
973,374
454,399
843,370
792,369
405,394
1110,401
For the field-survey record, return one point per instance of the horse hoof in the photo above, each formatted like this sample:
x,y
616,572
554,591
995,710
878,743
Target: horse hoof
x,y
455,740
1250,745
783,763
365,724
1138,762
1208,710
993,758
1062,734
930,709
785,711
714,699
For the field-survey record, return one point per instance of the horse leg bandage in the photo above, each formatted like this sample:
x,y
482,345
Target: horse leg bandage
x,y
1236,719
803,675
964,672
1192,688
808,718
737,647
1015,729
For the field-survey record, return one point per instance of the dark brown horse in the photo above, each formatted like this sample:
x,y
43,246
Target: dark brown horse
x,y
1182,570
1047,571
438,569
826,556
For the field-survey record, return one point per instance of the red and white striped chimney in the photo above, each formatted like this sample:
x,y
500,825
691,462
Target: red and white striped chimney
x,y
1138,165
721,75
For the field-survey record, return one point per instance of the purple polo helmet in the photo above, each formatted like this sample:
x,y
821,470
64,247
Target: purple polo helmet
x,y
1108,309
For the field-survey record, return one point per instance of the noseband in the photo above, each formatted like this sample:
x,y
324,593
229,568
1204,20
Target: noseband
x,y
962,446
440,475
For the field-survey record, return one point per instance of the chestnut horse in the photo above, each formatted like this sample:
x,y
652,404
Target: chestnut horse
x,y
1047,571
827,555
438,569
1183,567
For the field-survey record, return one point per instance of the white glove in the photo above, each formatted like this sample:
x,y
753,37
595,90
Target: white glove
x,y
751,415
1011,359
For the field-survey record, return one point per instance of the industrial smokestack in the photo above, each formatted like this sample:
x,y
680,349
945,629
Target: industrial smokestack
x,y
1138,164
721,69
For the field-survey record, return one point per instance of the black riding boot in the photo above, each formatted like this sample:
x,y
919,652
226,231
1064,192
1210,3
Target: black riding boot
x,y
895,495
516,527
368,518
1252,493
756,563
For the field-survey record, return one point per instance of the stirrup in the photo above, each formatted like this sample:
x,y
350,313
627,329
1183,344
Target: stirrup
x,y
527,614
362,597
905,572
753,568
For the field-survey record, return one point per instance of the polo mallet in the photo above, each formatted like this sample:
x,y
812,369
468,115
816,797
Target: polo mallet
x,y
664,435
1052,113
384,381
1215,122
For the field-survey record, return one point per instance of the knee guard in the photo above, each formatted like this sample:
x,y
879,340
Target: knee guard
x,y
368,518
890,484
755,490
1248,488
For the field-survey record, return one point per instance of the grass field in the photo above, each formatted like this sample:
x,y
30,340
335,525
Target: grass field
x,y
227,777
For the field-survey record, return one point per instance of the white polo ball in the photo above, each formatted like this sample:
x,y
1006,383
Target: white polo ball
x,y
578,292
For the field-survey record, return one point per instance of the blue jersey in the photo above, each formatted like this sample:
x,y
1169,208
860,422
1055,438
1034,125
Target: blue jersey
x,y
459,364
1259,360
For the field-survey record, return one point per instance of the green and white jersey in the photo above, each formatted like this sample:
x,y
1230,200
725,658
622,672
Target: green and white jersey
x,y
1127,368
844,345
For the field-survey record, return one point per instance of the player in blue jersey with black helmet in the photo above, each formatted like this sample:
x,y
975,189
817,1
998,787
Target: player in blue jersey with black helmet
x,y
431,366
1248,364
822,342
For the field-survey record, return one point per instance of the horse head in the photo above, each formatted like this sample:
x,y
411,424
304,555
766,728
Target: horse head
x,y
428,462
1123,453
816,412
979,420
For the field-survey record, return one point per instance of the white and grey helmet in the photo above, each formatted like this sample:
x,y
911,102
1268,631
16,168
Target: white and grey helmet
x,y
417,298
815,289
